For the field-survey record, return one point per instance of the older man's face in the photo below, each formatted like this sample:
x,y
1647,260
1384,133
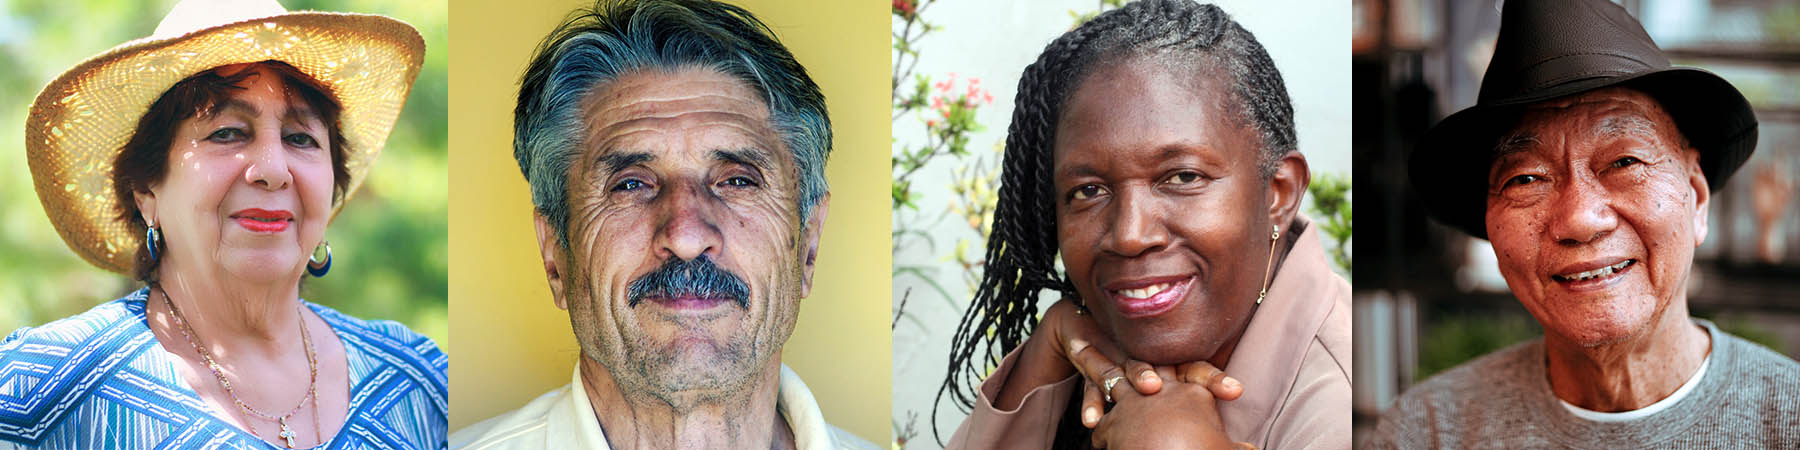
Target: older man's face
x,y
1594,209
687,259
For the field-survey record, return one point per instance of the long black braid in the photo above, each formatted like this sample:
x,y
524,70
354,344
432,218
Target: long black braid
x,y
1022,249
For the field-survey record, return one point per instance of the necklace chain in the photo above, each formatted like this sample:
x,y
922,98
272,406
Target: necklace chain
x,y
312,365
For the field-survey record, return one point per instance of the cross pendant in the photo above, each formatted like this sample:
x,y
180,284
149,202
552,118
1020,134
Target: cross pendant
x,y
287,433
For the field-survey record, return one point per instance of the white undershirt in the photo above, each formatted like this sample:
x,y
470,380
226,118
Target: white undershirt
x,y
1647,411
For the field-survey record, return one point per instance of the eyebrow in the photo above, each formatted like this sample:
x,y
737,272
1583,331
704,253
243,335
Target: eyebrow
x,y
1514,143
615,162
232,104
294,113
1074,170
753,157
1627,125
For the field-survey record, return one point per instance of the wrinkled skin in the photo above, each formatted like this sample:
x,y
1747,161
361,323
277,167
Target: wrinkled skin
x,y
1595,180
1595,206
682,164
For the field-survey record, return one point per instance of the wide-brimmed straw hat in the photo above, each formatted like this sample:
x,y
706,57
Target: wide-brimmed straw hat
x,y
84,117
1556,48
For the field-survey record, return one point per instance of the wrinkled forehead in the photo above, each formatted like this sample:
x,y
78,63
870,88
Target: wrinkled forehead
x,y
660,93
1599,114
652,101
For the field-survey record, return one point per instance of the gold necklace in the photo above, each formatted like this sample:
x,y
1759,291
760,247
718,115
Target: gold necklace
x,y
312,364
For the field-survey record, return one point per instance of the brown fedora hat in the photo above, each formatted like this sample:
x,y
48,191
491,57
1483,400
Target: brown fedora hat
x,y
1556,48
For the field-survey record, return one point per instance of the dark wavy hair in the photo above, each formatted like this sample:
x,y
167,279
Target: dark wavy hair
x,y
1022,252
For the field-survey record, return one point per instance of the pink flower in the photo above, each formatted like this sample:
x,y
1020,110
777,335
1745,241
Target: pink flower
x,y
937,102
987,97
905,8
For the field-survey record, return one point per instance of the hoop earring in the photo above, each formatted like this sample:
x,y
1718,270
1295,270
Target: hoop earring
x,y
1274,236
152,239
315,267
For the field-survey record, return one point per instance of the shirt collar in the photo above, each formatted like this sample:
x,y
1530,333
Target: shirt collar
x,y
575,418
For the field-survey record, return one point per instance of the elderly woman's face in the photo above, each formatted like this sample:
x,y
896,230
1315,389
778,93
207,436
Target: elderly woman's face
x,y
248,187
1594,210
1162,215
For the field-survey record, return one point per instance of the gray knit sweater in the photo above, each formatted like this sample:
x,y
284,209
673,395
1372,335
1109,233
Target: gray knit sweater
x,y
1748,398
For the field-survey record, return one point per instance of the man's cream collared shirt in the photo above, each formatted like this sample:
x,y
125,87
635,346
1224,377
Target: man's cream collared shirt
x,y
564,418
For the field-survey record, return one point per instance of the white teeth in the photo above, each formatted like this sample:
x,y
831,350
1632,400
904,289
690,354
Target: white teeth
x,y
1596,273
1146,291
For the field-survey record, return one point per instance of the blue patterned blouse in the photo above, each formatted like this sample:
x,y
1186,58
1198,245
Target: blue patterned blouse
x,y
101,380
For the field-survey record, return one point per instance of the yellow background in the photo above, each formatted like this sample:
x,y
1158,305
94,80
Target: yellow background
x,y
513,344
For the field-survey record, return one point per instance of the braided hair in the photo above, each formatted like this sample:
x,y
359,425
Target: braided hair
x,y
1022,249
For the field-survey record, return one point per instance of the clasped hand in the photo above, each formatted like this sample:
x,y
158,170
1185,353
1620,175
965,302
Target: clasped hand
x,y
1153,406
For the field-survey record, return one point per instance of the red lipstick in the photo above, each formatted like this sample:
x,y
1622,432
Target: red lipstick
x,y
263,221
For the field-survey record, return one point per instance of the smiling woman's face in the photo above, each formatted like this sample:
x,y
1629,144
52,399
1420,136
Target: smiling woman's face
x,y
1163,216
248,188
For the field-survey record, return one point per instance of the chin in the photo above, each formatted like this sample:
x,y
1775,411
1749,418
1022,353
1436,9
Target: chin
x,y
1598,333
697,368
1601,324
262,266
1167,348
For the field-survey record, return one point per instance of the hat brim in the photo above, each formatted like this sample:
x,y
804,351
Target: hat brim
x,y
1449,167
83,118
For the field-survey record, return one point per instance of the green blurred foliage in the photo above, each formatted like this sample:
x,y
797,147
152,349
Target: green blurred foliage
x,y
1740,324
1454,339
390,242
1331,201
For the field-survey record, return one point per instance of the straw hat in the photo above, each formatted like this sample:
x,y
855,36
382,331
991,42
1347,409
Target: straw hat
x,y
82,119
1550,49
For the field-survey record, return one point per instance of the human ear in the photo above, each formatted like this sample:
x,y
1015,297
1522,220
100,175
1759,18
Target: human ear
x,y
1702,195
815,227
146,205
550,250
1287,187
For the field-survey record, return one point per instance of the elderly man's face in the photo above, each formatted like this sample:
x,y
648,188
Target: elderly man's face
x,y
1594,209
687,258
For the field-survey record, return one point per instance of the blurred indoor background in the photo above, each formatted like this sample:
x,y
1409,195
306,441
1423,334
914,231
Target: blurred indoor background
x,y
1428,298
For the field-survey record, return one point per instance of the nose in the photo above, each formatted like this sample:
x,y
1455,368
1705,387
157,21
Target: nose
x,y
1581,212
688,228
268,167
1137,227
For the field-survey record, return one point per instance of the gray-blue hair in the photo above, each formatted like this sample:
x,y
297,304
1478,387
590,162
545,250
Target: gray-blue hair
x,y
616,38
